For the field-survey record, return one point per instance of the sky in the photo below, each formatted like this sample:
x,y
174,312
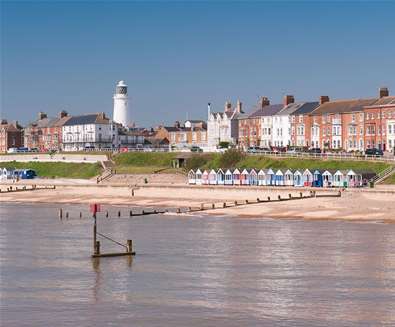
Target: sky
x,y
178,56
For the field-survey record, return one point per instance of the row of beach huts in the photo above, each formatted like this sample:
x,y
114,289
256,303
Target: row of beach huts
x,y
281,177
11,173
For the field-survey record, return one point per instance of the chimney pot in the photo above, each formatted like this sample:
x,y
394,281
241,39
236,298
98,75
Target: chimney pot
x,y
288,99
42,115
239,107
323,99
264,102
383,92
228,106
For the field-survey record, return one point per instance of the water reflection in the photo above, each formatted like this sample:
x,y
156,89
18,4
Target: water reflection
x,y
230,272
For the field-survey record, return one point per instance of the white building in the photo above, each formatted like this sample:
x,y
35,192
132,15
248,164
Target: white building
x,y
92,131
223,126
121,112
281,129
391,135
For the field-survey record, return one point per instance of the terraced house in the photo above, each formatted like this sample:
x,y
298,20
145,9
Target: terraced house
x,y
11,135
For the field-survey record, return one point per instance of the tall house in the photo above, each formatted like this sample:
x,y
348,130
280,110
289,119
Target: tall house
x,y
45,133
89,132
11,135
379,122
304,130
223,126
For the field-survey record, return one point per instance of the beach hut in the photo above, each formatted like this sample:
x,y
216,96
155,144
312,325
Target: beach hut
x,y
261,177
288,178
366,176
298,178
307,178
354,179
220,177
3,173
212,177
236,177
28,174
244,180
279,178
317,178
205,177
327,178
270,177
340,178
228,177
253,177
191,177
198,177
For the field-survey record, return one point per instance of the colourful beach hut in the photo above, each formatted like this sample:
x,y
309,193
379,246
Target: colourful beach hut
x,y
228,177
220,177
307,178
298,178
340,178
288,178
327,178
244,180
205,177
270,177
317,178
192,177
354,179
253,177
279,178
198,177
236,177
261,177
3,173
212,177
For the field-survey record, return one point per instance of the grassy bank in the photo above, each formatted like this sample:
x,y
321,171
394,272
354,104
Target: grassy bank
x,y
149,162
390,180
57,169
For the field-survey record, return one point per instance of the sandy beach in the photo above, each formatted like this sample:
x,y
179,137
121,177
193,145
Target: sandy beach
x,y
375,205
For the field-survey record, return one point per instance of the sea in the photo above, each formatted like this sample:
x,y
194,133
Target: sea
x,y
192,270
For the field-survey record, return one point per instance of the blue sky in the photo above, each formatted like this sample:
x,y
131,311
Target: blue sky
x,y
177,56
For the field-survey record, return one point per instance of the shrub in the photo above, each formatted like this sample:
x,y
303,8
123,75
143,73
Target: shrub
x,y
230,158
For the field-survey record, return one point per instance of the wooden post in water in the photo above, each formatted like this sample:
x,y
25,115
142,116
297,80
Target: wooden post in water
x,y
178,210
94,233
268,198
60,213
213,205
97,247
201,206
67,215
301,194
279,198
235,203
257,200
290,195
130,213
129,245
224,205
119,213
106,214
246,201
80,215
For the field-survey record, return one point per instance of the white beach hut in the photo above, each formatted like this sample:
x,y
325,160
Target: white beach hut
x,y
307,178
236,177
270,177
228,177
288,178
205,180
198,177
279,178
340,178
191,177
220,177
244,180
354,179
261,177
327,178
212,177
298,178
253,177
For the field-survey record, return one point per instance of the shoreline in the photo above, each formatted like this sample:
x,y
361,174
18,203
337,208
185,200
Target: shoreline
x,y
354,205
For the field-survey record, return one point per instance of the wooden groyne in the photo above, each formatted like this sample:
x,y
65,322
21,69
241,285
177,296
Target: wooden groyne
x,y
24,188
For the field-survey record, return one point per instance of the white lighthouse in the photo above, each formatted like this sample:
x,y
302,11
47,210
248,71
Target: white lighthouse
x,y
121,113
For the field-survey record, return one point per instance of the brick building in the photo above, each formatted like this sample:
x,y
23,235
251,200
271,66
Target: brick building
x,y
11,135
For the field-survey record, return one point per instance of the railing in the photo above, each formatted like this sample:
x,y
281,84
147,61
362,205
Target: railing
x,y
382,175
334,156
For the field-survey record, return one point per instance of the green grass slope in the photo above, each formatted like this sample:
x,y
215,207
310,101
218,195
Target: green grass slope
x,y
57,169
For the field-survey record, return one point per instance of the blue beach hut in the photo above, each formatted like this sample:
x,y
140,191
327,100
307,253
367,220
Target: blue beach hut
x,y
253,177
270,177
317,178
298,178
279,178
220,177
228,177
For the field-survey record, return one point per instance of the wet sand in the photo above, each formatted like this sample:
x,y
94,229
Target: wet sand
x,y
352,205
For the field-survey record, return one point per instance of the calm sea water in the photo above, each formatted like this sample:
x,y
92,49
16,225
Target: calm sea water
x,y
194,271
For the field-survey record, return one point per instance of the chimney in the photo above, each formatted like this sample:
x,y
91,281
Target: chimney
x,y
228,106
288,99
62,114
383,92
323,99
264,102
239,107
4,122
42,115
177,124
102,115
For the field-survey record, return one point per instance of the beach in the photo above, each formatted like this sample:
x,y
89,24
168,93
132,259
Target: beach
x,y
354,204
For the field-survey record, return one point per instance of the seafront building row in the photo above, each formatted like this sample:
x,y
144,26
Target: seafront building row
x,y
280,177
347,125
